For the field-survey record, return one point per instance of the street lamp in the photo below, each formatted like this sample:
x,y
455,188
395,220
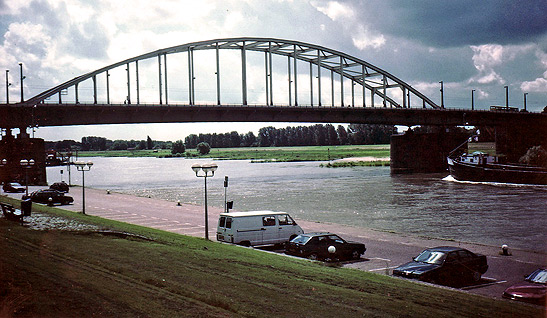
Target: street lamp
x,y
26,164
83,167
472,99
208,171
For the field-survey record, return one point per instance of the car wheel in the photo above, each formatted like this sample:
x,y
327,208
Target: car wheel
x,y
313,257
355,254
476,276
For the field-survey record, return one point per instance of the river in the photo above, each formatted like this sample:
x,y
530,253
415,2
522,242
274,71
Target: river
x,y
369,197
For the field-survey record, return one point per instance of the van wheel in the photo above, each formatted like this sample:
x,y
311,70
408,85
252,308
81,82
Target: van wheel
x,y
245,243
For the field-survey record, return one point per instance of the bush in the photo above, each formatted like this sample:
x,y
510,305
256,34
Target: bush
x,y
535,156
178,147
203,148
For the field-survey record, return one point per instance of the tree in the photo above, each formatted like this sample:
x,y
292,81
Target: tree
x,y
203,148
149,143
178,147
535,156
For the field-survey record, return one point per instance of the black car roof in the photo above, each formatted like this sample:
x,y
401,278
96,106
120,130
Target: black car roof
x,y
445,249
316,234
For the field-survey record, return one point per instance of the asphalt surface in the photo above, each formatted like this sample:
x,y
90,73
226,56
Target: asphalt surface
x,y
385,251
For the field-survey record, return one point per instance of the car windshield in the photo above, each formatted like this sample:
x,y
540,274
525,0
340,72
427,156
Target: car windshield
x,y
539,276
301,239
431,257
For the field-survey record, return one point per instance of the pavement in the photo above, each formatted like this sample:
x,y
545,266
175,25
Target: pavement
x,y
385,250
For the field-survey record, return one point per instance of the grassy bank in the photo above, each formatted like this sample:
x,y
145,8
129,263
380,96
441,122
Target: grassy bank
x,y
83,274
310,153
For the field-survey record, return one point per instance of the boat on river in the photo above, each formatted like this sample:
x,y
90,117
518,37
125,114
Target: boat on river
x,y
481,167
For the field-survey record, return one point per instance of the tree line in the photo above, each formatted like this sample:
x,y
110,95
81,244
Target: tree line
x,y
315,135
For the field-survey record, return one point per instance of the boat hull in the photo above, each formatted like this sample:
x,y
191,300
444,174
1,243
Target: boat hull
x,y
497,173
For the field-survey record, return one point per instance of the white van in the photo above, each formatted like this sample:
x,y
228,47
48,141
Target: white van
x,y
256,228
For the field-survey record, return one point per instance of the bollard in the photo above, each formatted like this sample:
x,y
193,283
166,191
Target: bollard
x,y
505,250
178,202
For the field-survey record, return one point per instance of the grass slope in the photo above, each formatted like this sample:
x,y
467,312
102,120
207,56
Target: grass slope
x,y
68,274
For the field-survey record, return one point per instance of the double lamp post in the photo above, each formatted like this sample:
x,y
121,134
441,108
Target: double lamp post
x,y
83,167
208,170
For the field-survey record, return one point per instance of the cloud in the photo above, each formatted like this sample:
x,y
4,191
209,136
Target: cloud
x,y
456,23
334,10
364,38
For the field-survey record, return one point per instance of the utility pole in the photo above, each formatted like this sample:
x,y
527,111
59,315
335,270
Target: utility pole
x,y
525,100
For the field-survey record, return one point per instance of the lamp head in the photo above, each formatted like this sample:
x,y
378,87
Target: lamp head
x,y
196,167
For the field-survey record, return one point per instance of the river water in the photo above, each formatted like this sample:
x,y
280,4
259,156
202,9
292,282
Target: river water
x,y
369,197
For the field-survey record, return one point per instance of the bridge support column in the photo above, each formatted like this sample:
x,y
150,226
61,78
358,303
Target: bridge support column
x,y
14,150
513,141
423,152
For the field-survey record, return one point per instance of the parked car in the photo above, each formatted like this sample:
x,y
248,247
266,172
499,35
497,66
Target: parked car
x,y
60,186
324,246
533,289
445,265
42,196
13,187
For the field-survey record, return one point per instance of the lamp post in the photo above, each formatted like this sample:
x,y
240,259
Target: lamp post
x,y
525,100
442,93
83,167
26,164
8,84
506,97
208,171
22,78
3,163
472,99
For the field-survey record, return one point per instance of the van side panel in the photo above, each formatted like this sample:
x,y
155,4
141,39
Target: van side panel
x,y
258,228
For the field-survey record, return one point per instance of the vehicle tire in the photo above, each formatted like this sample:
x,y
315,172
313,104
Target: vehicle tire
x,y
475,277
245,243
313,256
355,254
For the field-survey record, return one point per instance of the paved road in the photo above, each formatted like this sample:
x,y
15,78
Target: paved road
x,y
384,250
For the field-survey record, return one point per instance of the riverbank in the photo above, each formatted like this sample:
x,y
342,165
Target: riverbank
x,y
65,273
279,154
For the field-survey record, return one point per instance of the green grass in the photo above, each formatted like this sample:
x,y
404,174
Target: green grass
x,y
309,153
61,274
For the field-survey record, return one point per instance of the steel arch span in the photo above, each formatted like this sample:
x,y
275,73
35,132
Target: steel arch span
x,y
345,73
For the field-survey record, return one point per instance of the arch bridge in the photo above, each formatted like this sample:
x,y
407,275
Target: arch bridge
x,y
244,80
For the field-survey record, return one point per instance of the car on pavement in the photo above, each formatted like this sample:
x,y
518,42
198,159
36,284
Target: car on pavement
x,y
60,186
533,289
13,187
445,265
324,246
43,196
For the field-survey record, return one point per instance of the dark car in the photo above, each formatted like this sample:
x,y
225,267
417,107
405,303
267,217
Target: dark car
x,y
13,187
60,186
42,196
324,246
533,290
445,265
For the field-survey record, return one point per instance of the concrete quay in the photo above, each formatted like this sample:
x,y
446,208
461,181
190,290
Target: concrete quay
x,y
385,250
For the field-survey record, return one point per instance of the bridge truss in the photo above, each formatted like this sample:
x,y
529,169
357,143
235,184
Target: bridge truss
x,y
378,88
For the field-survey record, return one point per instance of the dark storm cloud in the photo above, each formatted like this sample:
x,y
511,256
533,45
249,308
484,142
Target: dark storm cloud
x,y
456,23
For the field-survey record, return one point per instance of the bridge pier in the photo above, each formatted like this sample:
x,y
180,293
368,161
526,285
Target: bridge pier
x,y
416,152
512,141
14,149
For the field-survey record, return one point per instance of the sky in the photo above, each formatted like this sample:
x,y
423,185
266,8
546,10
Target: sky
x,y
469,45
